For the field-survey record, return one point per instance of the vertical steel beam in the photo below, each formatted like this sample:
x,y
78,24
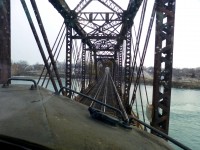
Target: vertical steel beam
x,y
91,68
5,50
83,66
68,73
115,66
119,87
116,71
127,73
165,14
95,64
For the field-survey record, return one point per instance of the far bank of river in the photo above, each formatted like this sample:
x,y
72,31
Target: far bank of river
x,y
184,83
187,83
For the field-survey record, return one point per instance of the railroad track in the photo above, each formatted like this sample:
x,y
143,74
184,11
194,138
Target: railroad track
x,y
103,91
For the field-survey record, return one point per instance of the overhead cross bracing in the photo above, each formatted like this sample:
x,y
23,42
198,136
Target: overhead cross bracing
x,y
100,36
95,39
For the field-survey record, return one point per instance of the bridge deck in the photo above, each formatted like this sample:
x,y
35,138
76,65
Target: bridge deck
x,y
60,123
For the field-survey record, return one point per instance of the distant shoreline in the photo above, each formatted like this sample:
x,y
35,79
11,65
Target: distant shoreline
x,y
186,85
180,84
189,83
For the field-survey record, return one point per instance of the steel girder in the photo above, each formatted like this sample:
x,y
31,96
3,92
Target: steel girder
x,y
115,68
108,30
68,74
83,66
119,86
82,4
128,17
5,49
165,14
127,73
95,65
112,5
70,18
91,68
99,16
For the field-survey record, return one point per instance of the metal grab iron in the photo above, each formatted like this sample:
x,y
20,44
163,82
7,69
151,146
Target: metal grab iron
x,y
33,87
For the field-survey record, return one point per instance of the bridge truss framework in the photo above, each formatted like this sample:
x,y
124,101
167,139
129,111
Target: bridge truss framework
x,y
102,43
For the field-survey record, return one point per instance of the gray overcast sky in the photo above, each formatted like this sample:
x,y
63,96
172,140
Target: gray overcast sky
x,y
186,39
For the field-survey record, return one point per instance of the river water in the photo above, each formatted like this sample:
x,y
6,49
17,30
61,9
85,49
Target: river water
x,y
184,115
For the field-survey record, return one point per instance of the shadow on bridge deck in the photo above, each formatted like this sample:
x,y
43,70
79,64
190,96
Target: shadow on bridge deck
x,y
60,123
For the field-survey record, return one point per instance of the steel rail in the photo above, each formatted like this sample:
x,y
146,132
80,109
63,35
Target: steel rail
x,y
98,91
87,91
119,100
92,99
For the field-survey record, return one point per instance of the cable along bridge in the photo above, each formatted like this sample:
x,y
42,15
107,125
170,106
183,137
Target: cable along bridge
x,y
105,56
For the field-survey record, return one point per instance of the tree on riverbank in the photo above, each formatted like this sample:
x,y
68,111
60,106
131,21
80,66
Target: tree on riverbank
x,y
19,67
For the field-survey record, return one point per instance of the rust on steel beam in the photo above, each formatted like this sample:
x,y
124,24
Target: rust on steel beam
x,y
5,49
165,14
70,18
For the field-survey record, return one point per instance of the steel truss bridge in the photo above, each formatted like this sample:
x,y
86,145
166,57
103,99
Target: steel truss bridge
x,y
103,54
